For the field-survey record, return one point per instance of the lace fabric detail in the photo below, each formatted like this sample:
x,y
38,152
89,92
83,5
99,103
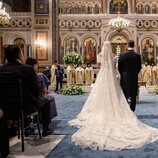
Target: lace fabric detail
x,y
106,121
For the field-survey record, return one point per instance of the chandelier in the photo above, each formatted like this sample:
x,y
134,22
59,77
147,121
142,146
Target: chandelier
x,y
4,16
119,24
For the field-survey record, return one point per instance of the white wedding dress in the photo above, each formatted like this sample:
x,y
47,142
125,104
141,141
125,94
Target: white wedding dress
x,y
106,122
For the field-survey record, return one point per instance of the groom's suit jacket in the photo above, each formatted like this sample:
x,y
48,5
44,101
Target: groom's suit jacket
x,y
129,66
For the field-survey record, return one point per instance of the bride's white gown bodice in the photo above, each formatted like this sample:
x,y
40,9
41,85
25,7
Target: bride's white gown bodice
x,y
106,122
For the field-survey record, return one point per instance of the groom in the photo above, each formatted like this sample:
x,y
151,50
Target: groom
x,y
129,66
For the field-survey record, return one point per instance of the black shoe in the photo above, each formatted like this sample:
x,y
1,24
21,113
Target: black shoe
x,y
12,131
47,132
29,131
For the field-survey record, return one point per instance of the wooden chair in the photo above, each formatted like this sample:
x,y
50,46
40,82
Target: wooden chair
x,y
11,95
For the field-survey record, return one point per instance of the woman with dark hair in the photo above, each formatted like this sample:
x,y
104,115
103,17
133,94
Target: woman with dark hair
x,y
44,82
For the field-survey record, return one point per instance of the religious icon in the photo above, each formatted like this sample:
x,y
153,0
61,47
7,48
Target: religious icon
x,y
148,50
71,45
41,6
118,6
154,8
20,42
90,50
96,9
147,9
140,9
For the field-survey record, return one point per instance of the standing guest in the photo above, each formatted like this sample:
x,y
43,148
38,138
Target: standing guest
x,y
129,66
89,74
59,73
52,71
49,111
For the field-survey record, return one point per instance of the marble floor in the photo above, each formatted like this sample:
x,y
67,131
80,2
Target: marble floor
x,y
34,147
58,145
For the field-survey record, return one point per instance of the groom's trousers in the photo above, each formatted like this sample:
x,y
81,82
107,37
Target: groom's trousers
x,y
133,103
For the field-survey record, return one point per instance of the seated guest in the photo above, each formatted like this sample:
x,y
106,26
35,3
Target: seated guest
x,y
47,73
31,92
4,136
52,112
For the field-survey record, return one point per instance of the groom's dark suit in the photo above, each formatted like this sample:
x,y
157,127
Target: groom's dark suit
x,y
129,66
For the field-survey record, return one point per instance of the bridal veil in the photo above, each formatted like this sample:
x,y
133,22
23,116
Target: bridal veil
x,y
106,121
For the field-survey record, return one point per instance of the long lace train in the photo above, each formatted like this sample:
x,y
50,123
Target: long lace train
x,y
106,121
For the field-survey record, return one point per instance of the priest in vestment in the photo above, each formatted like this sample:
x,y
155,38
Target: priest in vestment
x,y
52,71
70,72
89,74
79,75
146,74
153,73
157,73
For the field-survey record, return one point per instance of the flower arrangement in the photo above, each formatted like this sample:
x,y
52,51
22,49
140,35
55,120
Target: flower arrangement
x,y
156,89
72,58
72,90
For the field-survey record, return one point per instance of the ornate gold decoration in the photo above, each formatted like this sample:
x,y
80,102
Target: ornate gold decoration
x,y
4,16
119,23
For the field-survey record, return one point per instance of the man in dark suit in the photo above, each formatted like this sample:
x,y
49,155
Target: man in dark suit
x,y
129,66
4,135
31,92
59,73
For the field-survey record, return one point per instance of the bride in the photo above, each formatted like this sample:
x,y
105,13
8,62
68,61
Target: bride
x,y
106,121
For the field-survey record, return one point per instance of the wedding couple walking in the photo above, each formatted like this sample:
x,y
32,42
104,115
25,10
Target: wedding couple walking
x,y
106,121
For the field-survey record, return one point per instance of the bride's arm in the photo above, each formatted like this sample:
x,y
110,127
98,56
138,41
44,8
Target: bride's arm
x,y
99,56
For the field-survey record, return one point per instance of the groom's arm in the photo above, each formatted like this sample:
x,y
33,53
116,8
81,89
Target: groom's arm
x,y
120,64
139,63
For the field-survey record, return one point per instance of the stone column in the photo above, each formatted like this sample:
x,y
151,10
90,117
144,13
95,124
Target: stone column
x,y
55,38
1,48
134,6
104,6
41,14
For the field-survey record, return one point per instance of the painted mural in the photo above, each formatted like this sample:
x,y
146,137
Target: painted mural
x,y
148,50
90,50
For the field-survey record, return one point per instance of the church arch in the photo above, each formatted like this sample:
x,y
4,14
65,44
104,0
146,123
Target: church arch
x,y
66,36
22,39
153,8
62,8
125,33
76,8
13,36
97,8
83,37
152,36
90,7
147,8
83,7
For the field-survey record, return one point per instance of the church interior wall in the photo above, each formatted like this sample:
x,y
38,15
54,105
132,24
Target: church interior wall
x,y
80,19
